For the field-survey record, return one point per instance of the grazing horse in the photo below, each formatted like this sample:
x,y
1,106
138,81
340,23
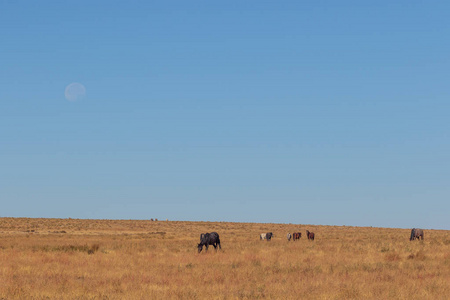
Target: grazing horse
x,y
416,233
266,236
310,235
207,239
297,236
289,236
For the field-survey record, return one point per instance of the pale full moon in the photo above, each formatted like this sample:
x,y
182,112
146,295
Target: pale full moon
x,y
75,91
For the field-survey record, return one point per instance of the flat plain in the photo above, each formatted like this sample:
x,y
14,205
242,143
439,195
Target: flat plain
x,y
143,259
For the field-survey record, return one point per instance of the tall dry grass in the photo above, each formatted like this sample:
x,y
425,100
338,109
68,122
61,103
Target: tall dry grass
x,y
138,259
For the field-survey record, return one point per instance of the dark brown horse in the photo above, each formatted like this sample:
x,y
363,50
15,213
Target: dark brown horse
x,y
207,239
310,235
296,236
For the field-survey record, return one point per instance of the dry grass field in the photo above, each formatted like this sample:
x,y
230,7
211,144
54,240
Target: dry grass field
x,y
140,259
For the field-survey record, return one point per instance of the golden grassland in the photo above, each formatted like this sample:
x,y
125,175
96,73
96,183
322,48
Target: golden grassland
x,y
140,259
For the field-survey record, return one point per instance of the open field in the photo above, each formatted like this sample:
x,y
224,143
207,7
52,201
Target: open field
x,y
140,259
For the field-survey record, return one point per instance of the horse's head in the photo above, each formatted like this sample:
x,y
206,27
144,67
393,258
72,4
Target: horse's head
x,y
200,247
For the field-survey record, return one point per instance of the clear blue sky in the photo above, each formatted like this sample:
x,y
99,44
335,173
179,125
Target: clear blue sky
x,y
331,112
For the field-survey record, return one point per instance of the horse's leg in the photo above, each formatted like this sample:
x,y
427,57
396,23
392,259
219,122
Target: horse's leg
x,y
206,248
